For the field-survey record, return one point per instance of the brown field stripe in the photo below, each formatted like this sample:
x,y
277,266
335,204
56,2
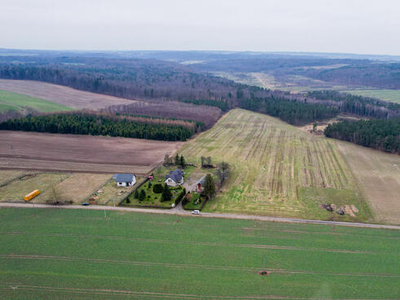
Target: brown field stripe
x,y
190,266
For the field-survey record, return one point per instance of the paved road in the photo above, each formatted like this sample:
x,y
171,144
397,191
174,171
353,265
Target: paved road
x,y
181,212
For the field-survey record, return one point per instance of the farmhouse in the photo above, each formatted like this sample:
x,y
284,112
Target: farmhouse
x,y
174,178
125,179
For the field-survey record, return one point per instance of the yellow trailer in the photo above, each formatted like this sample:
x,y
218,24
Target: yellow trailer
x,y
31,195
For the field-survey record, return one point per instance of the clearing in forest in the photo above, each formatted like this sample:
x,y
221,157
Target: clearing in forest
x,y
277,169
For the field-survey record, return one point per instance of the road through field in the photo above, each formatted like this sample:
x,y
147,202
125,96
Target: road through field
x,y
182,212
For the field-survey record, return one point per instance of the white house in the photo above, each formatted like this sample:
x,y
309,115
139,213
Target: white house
x,y
174,178
125,179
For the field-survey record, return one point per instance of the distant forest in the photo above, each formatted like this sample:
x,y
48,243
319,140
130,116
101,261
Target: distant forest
x,y
382,135
171,89
106,125
358,105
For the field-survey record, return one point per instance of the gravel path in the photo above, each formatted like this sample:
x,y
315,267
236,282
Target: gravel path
x,y
180,211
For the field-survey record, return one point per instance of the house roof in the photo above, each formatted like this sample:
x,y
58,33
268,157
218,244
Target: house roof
x,y
176,175
124,177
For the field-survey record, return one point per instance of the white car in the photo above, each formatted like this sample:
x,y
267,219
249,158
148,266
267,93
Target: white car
x,y
196,212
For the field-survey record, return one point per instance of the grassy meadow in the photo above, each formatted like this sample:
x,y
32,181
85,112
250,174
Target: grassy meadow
x,y
387,95
18,102
277,169
83,254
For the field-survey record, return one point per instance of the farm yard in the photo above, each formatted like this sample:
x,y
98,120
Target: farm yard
x,y
75,153
62,95
125,255
277,169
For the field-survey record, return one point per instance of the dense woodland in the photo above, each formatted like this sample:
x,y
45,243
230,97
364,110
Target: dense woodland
x,y
295,113
173,90
106,125
358,105
382,135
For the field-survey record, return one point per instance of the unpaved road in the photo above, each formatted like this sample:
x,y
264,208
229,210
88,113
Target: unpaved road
x,y
181,212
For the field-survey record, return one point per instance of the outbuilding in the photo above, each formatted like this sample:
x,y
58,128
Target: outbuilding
x,y
125,180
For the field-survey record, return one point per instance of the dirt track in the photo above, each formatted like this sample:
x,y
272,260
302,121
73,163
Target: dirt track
x,y
80,153
61,94
206,215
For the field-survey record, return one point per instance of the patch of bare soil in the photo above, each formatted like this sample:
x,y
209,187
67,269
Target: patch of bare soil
x,y
62,94
80,153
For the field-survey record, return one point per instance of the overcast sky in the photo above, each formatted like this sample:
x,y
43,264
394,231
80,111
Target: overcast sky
x,y
346,26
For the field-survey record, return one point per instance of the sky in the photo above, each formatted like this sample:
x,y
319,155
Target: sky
x,y
340,26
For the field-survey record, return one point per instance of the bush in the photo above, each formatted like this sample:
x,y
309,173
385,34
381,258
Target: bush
x,y
136,195
142,195
158,188
180,196
166,194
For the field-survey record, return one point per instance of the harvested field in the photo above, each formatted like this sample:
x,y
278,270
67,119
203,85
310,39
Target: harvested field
x,y
378,174
76,188
17,189
78,153
7,175
61,94
277,169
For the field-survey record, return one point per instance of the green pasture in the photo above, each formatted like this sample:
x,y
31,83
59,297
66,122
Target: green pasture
x,y
84,254
18,102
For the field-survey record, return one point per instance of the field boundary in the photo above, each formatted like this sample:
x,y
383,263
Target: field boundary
x,y
205,215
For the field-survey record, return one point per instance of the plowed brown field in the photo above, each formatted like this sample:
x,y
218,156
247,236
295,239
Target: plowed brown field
x,y
79,153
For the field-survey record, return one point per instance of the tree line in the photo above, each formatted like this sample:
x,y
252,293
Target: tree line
x,y
292,112
358,105
97,124
380,134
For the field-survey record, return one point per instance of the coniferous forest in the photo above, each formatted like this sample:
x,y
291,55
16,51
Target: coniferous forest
x,y
295,113
92,124
382,135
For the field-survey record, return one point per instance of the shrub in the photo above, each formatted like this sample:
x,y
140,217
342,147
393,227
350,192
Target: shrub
x,y
166,194
158,188
142,195
136,195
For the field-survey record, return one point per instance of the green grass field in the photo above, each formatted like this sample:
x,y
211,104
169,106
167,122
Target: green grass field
x,y
81,254
18,102
277,169
387,95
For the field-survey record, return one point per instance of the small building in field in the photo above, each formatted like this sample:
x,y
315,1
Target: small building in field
x,y
174,178
199,186
125,180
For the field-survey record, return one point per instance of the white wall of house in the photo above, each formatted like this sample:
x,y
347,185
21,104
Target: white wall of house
x,y
124,184
170,182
